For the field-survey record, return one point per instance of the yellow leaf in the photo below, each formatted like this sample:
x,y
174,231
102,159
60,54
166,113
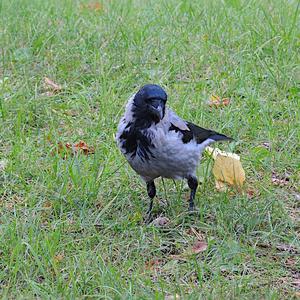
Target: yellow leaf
x,y
227,169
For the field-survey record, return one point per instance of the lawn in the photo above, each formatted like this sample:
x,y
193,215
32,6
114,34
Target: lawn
x,y
71,226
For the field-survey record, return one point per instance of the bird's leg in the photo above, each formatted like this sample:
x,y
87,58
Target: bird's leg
x,y
151,193
193,184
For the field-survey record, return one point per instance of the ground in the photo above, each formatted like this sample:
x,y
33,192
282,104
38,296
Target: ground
x,y
71,226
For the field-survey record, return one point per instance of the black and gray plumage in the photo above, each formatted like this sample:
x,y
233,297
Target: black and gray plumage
x,y
158,143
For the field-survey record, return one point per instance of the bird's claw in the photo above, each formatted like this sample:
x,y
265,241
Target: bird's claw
x,y
148,218
193,210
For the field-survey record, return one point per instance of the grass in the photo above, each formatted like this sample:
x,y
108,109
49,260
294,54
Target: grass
x,y
73,228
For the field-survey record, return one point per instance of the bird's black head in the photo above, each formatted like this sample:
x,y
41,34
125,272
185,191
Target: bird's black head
x,y
149,103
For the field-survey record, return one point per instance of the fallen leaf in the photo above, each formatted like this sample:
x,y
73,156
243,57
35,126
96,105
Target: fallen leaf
x,y
73,149
161,221
280,247
287,248
95,6
199,246
280,180
227,169
84,148
216,101
59,257
51,85
250,194
153,264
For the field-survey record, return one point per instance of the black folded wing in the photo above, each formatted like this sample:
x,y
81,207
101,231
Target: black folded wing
x,y
199,134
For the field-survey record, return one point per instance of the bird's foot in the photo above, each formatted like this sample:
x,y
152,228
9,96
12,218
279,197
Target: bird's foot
x,y
163,203
148,218
193,210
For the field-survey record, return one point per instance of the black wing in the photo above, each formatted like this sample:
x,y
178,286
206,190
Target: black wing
x,y
199,134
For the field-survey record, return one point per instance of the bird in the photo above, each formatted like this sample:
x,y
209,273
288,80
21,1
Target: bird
x,y
156,142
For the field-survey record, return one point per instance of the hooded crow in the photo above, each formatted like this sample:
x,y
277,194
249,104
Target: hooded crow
x,y
158,143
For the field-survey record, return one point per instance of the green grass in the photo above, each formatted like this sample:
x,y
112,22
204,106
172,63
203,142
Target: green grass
x,y
73,228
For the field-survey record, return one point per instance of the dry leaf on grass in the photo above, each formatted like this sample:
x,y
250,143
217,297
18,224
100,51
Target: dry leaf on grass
x,y
82,146
73,149
93,6
280,180
153,264
216,101
227,169
199,246
51,85
252,193
161,222
287,248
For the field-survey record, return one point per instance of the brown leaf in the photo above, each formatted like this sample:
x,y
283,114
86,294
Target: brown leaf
x,y
51,85
199,246
153,264
68,148
161,222
84,148
94,6
216,101
252,192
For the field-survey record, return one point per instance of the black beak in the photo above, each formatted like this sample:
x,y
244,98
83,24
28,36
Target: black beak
x,y
158,109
